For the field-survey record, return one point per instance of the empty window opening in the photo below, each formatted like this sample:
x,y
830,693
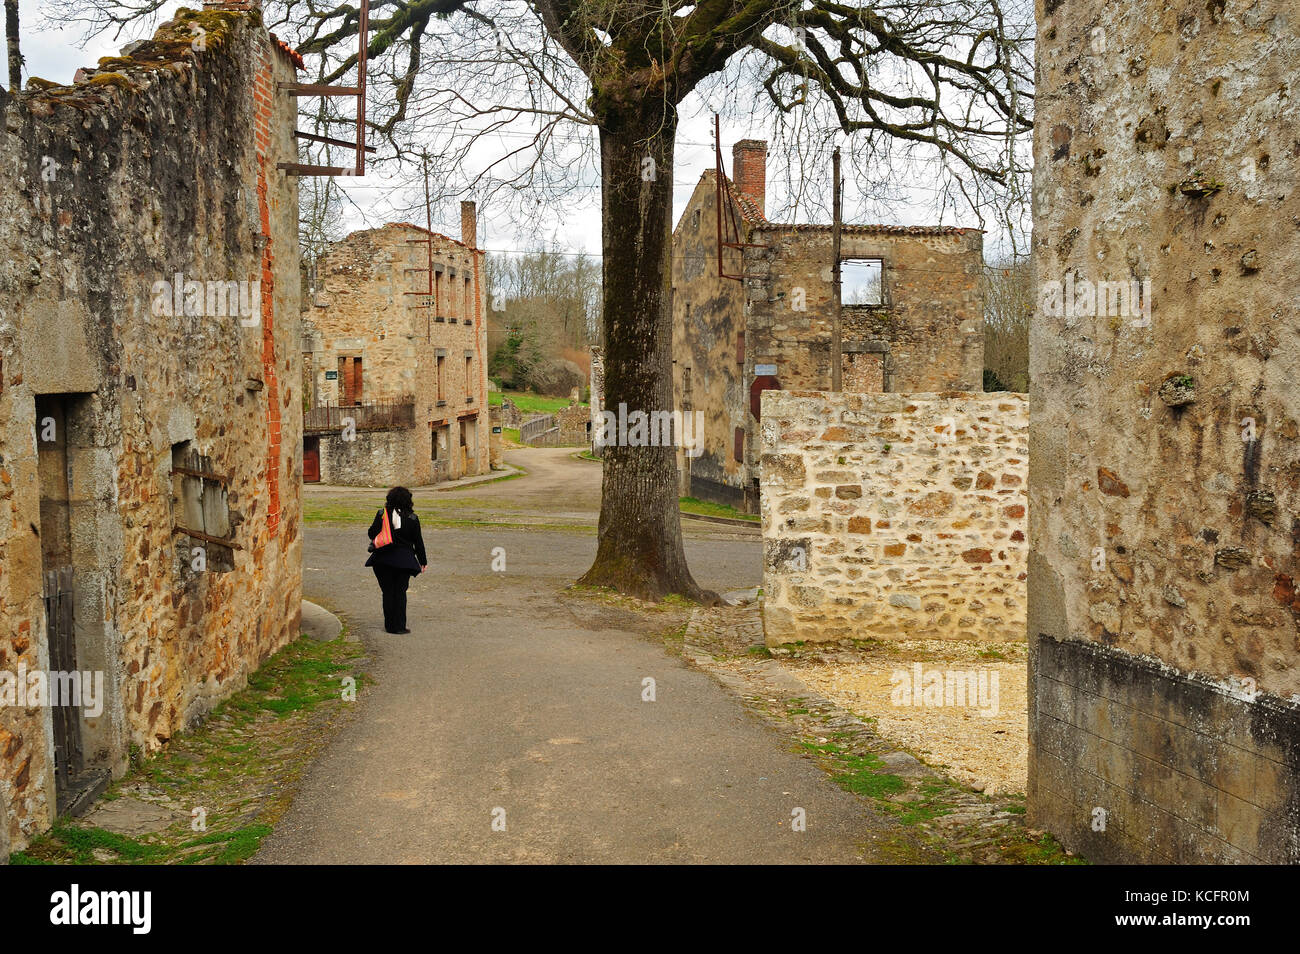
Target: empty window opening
x,y
862,281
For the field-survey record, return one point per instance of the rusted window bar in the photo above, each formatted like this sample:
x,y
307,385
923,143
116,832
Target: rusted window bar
x,y
200,535
205,475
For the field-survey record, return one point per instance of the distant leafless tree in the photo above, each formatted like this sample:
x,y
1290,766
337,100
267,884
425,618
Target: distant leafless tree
x,y
1008,309
548,301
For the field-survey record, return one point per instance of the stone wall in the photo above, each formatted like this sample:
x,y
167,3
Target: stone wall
x,y
575,425
894,515
708,353
157,169
373,459
928,331
1165,489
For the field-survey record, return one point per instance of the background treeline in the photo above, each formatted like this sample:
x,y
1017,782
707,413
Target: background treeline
x,y
544,307
1008,307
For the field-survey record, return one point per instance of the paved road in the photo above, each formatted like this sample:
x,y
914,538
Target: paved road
x,y
507,695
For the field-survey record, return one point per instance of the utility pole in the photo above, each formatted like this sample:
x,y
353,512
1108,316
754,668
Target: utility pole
x,y
836,225
11,43
430,292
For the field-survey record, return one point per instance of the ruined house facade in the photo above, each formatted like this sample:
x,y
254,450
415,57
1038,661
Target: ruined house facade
x,y
912,321
1164,621
399,355
149,381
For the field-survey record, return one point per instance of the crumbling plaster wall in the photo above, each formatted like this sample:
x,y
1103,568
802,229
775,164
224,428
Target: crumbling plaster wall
x,y
708,322
1165,485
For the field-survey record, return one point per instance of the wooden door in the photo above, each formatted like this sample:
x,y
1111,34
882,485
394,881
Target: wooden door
x,y
311,460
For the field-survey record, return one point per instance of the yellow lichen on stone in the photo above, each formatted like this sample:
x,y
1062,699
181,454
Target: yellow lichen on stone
x,y
112,79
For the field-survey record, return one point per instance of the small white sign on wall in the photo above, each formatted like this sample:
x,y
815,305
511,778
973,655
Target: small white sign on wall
x,y
764,370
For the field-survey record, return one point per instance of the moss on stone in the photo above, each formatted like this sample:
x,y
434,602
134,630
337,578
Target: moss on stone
x,y
120,80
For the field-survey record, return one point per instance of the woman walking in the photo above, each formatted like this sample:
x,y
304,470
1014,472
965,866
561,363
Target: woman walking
x,y
398,555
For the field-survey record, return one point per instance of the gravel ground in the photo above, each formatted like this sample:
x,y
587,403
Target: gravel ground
x,y
984,747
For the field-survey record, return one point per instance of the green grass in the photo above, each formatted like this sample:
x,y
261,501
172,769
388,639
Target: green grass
x,y
704,508
917,804
358,514
239,765
528,402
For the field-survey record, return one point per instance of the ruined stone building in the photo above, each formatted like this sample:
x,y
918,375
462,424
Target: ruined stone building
x,y
1164,620
149,395
399,355
912,318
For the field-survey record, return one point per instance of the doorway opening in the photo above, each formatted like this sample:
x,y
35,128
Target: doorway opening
x,y
75,630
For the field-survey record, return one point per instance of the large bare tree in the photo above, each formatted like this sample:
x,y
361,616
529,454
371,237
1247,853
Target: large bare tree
x,y
950,79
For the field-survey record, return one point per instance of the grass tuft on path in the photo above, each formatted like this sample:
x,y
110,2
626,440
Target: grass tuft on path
x,y
705,508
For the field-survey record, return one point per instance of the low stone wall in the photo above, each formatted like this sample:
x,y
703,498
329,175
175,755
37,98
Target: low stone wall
x,y
575,425
1133,760
894,515
371,459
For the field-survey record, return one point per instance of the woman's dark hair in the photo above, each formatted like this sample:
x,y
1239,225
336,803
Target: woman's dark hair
x,y
399,499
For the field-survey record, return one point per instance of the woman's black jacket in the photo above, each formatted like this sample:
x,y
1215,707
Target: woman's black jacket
x,y
407,549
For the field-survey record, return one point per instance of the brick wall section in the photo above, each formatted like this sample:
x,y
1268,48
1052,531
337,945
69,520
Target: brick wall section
x,y
155,164
1164,153
749,169
264,98
894,515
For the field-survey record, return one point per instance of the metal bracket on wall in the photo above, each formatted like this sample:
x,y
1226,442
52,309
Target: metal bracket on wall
x,y
359,91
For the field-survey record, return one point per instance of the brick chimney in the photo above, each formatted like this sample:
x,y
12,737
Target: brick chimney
x,y
469,224
749,170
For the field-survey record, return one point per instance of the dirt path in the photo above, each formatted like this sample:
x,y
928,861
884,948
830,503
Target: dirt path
x,y
511,701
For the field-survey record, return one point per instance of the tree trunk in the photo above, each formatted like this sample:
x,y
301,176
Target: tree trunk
x,y
640,548
11,40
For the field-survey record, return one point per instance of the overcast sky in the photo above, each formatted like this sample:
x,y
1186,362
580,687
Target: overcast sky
x,y
55,54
